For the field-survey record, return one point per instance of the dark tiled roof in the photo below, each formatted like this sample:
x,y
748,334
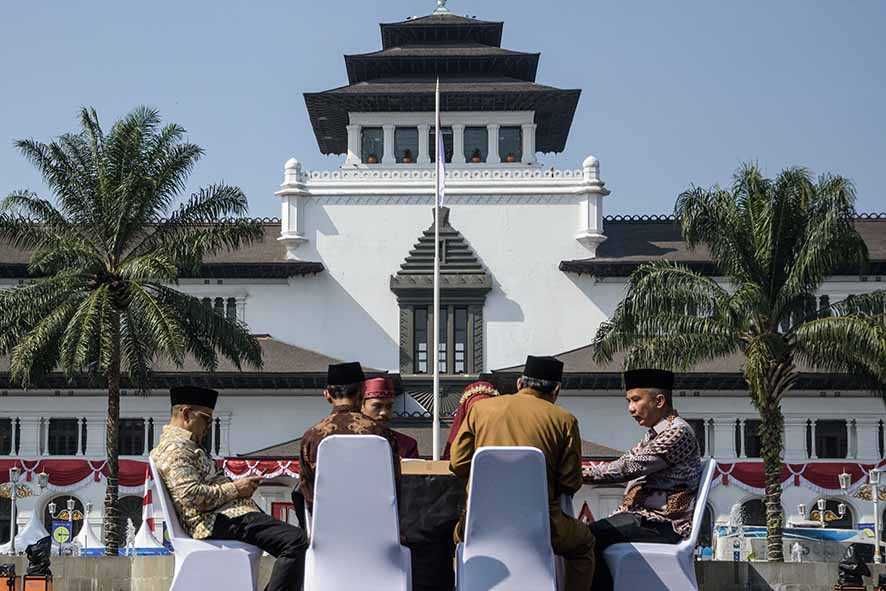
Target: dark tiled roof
x,y
633,242
263,259
441,29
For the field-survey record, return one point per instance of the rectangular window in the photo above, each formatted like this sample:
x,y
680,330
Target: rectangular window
x,y
406,144
751,439
476,144
831,439
6,437
131,440
62,437
231,309
460,334
443,350
448,146
698,427
373,145
510,144
420,317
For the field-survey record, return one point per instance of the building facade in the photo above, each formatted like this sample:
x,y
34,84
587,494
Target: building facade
x,y
529,265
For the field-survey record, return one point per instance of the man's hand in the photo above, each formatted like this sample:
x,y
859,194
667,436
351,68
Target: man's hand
x,y
246,486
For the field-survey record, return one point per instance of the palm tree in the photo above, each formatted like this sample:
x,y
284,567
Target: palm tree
x,y
103,258
773,242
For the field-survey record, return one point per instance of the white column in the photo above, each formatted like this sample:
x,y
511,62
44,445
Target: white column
x,y
814,450
458,144
492,131
29,444
225,446
147,426
79,436
14,438
868,433
44,437
424,138
724,438
794,439
590,233
743,451
851,439
241,309
354,156
390,156
529,143
95,436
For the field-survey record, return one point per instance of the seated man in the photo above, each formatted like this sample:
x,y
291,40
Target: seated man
x,y
531,418
212,506
378,404
662,472
345,393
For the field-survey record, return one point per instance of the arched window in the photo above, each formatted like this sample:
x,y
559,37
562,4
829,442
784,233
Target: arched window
x,y
61,513
832,515
753,512
130,508
5,516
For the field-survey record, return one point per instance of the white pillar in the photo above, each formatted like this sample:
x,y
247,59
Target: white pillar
x,y
79,436
458,144
851,439
590,233
868,433
225,446
44,437
29,443
795,439
145,448
95,436
743,449
724,438
14,439
814,446
529,143
293,201
354,156
390,156
492,131
424,138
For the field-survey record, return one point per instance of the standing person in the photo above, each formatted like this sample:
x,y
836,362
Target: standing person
x,y
531,418
474,392
378,404
344,392
212,506
662,473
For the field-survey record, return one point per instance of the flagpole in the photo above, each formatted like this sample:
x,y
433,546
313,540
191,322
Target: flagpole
x,y
436,311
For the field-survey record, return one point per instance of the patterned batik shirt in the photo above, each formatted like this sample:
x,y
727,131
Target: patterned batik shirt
x,y
662,472
198,488
344,420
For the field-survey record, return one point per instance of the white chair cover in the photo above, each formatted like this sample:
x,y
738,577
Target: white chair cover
x,y
355,519
205,564
507,543
656,567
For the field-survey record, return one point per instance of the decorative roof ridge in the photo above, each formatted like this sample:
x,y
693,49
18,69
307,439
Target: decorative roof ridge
x,y
653,218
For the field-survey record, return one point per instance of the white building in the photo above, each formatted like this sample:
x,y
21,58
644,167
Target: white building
x,y
529,265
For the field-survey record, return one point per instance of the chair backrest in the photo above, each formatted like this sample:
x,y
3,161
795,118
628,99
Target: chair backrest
x,y
175,529
701,501
507,528
355,512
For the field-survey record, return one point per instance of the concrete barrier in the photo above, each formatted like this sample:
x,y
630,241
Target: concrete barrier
x,y
154,573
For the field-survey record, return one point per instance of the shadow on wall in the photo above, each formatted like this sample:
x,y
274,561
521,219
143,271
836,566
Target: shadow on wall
x,y
499,307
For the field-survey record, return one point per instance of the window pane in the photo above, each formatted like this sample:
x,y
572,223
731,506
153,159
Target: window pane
x,y
219,306
5,437
698,427
831,439
461,340
406,144
373,148
441,351
510,144
130,507
420,317
447,144
751,439
231,309
132,437
62,437
476,144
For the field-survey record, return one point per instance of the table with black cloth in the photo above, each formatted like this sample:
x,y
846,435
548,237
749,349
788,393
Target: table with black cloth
x,y
430,506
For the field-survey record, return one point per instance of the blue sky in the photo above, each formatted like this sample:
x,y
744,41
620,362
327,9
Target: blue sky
x,y
674,93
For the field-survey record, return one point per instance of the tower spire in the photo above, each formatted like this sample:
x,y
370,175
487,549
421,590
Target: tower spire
x,y
441,7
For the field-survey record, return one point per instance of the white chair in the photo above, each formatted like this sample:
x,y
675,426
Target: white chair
x,y
206,564
654,567
355,519
507,538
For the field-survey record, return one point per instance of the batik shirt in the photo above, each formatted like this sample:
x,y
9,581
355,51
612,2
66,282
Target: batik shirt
x,y
344,420
199,489
662,472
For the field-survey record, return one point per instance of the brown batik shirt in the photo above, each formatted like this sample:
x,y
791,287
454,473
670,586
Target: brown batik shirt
x,y
344,420
662,472
199,489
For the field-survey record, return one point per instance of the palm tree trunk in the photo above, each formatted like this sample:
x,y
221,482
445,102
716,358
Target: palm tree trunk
x,y
112,517
771,429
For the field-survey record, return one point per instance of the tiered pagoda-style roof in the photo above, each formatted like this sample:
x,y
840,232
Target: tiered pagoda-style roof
x,y
476,74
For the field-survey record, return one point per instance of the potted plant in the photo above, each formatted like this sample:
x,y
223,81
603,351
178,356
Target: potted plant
x,y
476,156
372,159
510,157
407,156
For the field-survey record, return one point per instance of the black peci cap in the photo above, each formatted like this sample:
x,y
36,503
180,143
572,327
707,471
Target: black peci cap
x,y
193,396
543,368
649,378
343,374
